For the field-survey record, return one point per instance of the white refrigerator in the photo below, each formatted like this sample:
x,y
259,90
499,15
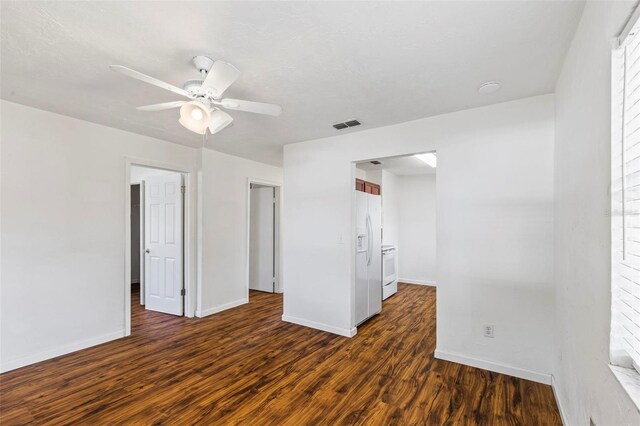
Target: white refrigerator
x,y
368,256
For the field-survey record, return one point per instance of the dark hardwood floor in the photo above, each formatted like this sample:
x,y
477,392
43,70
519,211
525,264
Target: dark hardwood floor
x,y
246,366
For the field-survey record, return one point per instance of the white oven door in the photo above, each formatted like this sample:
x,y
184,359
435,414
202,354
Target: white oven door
x,y
390,267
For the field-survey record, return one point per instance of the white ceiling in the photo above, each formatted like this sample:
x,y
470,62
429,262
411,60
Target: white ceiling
x,y
401,166
324,62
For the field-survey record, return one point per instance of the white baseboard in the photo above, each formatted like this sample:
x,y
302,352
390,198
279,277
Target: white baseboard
x,y
62,350
563,414
320,326
418,282
522,373
220,308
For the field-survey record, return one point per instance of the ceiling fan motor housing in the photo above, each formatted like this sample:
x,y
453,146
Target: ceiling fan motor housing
x,y
192,86
203,63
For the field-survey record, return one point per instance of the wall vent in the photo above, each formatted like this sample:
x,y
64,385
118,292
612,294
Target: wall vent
x,y
346,124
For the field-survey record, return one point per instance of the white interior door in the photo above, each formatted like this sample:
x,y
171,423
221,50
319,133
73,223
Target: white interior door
x,y
163,243
261,239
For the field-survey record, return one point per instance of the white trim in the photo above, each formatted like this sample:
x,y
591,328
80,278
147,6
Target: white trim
x,y
494,366
141,240
631,22
563,413
278,231
629,380
189,203
418,282
320,326
62,350
220,308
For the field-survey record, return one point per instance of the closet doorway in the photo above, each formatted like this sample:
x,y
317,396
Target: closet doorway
x,y
263,233
157,239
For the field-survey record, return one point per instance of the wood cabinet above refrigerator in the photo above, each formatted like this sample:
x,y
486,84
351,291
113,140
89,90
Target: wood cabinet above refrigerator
x,y
368,187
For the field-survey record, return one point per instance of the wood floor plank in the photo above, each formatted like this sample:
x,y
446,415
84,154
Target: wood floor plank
x,y
245,366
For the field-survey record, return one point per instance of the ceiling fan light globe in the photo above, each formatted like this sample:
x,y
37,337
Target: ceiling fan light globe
x,y
197,114
219,120
194,116
193,129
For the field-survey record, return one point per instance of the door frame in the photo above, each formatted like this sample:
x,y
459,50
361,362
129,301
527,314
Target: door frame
x,y
188,201
277,230
140,237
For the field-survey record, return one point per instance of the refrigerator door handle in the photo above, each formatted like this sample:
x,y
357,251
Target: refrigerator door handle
x,y
369,241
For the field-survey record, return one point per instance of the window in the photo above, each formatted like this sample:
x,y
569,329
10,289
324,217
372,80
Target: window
x,y
625,208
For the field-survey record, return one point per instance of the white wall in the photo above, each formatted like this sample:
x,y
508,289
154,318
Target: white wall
x,y
63,263
417,229
389,189
373,176
224,239
495,229
63,267
584,383
138,173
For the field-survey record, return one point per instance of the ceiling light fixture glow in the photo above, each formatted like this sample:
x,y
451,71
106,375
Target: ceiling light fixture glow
x,y
429,158
197,114
194,116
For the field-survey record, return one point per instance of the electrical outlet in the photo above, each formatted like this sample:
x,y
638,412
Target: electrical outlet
x,y
488,330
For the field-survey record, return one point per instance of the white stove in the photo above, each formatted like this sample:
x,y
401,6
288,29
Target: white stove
x,y
389,271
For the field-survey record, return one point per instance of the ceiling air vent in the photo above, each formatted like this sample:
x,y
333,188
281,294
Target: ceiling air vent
x,y
346,124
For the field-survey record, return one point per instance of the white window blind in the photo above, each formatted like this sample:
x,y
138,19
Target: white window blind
x,y
625,204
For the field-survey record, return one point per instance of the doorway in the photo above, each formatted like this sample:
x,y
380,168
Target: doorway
x,y
394,229
263,238
157,240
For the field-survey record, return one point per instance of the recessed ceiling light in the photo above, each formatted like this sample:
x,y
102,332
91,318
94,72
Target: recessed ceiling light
x,y
429,158
489,87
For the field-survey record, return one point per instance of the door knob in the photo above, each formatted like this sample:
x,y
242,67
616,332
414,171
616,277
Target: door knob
x,y
147,251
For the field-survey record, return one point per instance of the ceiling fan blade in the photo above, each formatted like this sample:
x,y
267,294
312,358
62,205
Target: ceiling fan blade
x,y
220,77
162,106
249,106
143,77
218,121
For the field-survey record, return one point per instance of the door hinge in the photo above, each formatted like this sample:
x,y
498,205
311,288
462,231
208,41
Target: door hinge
x,y
183,189
183,292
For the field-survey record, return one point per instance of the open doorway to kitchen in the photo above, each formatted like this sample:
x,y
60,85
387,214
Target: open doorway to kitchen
x,y
395,229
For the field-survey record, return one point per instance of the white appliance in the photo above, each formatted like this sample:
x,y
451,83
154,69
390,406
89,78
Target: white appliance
x,y
389,271
368,256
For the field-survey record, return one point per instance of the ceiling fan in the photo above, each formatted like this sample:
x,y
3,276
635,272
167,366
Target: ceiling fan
x,y
203,111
